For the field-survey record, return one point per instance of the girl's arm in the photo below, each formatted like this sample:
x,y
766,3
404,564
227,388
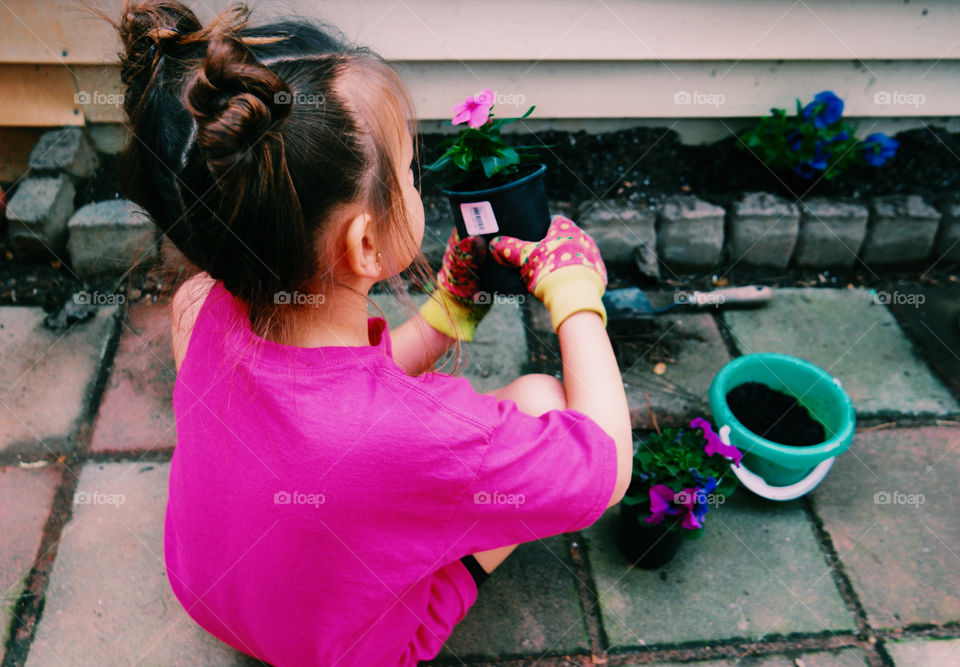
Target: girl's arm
x,y
416,345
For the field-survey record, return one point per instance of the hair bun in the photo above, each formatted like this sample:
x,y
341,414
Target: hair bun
x,y
150,29
235,100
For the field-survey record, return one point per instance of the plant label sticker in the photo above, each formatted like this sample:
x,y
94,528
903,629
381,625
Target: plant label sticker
x,y
478,218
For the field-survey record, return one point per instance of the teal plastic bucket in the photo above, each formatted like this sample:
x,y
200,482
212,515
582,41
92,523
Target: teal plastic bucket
x,y
815,389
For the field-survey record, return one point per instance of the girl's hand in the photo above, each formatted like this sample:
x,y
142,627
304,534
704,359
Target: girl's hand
x,y
564,269
456,291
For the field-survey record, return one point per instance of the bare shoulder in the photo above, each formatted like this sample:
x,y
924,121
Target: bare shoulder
x,y
184,308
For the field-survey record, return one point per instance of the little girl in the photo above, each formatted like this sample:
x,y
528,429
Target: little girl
x,y
332,499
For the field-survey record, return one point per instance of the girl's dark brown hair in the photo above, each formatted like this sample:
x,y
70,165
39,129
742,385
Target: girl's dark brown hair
x,y
247,140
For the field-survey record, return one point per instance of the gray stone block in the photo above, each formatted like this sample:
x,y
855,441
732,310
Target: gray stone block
x,y
690,234
623,233
831,232
109,138
38,215
67,150
947,246
111,237
763,230
901,231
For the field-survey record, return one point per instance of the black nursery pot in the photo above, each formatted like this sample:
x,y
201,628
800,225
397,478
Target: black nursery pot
x,y
647,546
516,209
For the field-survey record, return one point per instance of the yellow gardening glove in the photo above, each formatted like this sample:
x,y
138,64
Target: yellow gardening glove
x,y
455,307
564,269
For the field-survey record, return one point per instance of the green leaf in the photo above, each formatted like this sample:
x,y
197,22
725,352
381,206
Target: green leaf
x,y
493,164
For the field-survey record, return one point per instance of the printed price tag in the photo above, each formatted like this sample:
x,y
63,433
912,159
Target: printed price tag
x,y
478,218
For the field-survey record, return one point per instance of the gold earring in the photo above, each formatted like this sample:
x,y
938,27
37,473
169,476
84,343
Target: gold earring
x,y
378,260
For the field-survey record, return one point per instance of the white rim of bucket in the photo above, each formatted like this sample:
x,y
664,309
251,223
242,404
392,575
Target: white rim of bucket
x,y
759,486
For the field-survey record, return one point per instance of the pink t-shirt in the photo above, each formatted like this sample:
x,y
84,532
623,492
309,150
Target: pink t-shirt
x,y
321,498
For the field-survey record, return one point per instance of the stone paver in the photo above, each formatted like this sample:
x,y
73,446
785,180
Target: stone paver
x,y
853,336
757,571
696,352
137,411
851,657
889,504
25,496
529,605
925,652
108,601
45,377
498,350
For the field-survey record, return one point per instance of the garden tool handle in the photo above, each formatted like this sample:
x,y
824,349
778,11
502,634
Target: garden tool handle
x,y
749,294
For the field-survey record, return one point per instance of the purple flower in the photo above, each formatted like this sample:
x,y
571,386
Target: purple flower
x,y
661,503
714,444
878,148
825,109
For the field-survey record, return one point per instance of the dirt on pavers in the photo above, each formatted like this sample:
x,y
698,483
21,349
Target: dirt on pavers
x,y
930,315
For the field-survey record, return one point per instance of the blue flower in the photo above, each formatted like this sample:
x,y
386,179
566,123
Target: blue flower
x,y
843,136
825,109
700,505
817,163
796,139
878,148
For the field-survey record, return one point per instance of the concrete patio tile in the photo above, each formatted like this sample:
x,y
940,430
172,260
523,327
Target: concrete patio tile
x,y
496,354
851,336
529,605
108,601
137,407
26,497
696,353
758,571
890,507
924,652
850,657
45,377
680,393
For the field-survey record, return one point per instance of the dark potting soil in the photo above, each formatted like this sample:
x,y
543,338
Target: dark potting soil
x,y
774,415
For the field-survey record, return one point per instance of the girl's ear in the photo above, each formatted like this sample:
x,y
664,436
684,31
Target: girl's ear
x,y
362,251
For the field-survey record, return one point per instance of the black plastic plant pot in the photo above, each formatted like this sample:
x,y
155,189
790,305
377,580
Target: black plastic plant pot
x,y
518,209
647,546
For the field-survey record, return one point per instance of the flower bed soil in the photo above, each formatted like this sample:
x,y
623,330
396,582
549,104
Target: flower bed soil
x,y
642,164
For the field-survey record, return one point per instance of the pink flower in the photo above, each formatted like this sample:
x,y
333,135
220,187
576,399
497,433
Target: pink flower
x,y
714,443
475,110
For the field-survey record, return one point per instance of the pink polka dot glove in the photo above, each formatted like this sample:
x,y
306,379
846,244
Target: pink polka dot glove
x,y
453,307
564,269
